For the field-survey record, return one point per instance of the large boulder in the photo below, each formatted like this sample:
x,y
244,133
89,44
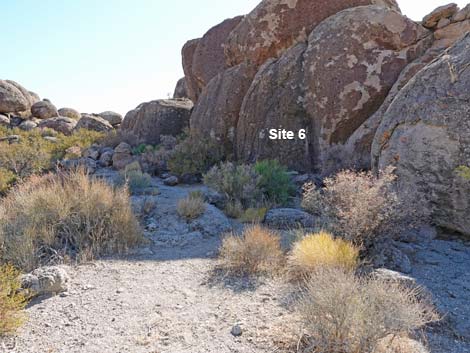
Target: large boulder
x,y
181,89
425,133
149,121
187,53
93,122
443,12
44,110
275,25
217,110
70,113
274,101
13,97
209,57
60,124
113,118
352,61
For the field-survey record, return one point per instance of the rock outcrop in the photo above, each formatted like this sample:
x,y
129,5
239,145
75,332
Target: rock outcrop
x,y
187,54
60,124
14,98
352,61
275,101
276,25
44,110
115,119
425,133
151,120
93,122
181,89
217,110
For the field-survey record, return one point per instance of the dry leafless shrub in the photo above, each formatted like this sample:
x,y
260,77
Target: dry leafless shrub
x,y
363,208
53,217
192,206
319,250
256,251
344,313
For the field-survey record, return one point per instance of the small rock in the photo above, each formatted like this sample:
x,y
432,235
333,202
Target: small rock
x,y
393,276
93,152
120,290
236,331
171,181
289,218
46,280
106,159
28,125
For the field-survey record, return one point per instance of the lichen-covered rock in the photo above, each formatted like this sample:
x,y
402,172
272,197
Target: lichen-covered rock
x,y
275,25
425,133
70,113
60,124
46,281
94,123
44,110
352,61
188,55
113,118
275,101
149,121
217,110
13,97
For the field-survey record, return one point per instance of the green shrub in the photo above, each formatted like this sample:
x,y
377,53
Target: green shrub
x,y
7,179
194,156
239,183
274,181
134,178
54,217
463,172
253,215
12,301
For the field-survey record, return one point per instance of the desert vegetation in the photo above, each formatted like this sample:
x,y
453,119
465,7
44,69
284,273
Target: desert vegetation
x,y
12,300
52,218
192,207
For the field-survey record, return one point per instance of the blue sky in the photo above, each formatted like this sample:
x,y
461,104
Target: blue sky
x,y
112,54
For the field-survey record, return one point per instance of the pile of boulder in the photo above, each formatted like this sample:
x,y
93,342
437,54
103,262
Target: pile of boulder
x,y
24,109
369,86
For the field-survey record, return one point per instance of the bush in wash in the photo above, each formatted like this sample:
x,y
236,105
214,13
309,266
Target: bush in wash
x,y
344,313
12,301
361,207
55,217
194,156
321,250
134,178
256,251
192,206
275,182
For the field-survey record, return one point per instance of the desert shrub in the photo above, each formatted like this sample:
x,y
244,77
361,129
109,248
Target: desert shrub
x,y
463,172
238,183
234,209
345,313
33,154
50,218
320,250
362,208
7,179
12,301
257,250
134,178
253,215
194,156
192,206
274,181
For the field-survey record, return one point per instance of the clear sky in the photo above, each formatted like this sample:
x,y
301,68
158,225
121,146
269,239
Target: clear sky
x,y
113,54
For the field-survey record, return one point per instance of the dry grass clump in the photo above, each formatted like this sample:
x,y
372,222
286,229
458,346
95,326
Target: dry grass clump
x,y
361,207
256,251
321,250
54,217
134,178
12,301
345,313
192,206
